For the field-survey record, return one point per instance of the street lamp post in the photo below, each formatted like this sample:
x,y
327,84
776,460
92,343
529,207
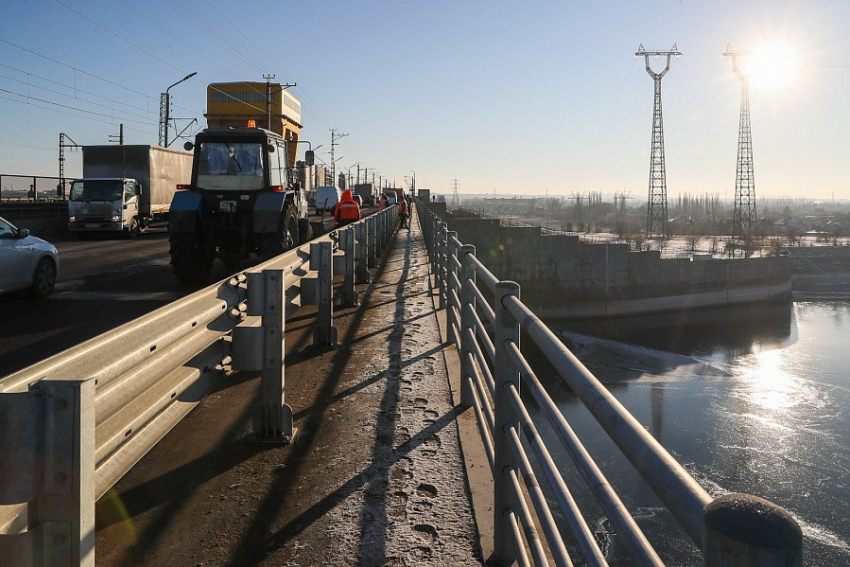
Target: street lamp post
x,y
165,104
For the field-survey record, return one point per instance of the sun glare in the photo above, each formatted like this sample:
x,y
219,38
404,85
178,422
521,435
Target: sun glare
x,y
773,66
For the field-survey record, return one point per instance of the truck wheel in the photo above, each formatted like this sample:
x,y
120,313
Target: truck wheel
x,y
305,231
134,229
286,237
190,263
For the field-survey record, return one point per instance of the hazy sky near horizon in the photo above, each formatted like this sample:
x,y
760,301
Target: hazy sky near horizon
x,y
505,96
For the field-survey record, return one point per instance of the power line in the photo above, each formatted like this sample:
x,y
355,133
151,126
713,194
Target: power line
x,y
119,36
76,69
112,122
64,94
30,97
72,87
17,145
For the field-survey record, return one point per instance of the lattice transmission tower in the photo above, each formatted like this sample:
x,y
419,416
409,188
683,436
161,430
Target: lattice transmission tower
x,y
656,206
745,216
455,203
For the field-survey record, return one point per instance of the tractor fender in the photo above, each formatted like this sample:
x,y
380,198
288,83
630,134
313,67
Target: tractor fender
x,y
184,211
267,210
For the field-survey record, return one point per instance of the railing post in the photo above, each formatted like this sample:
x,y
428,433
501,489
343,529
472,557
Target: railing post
x,y
467,321
346,242
451,268
370,227
507,329
362,250
442,264
325,333
435,253
742,530
433,227
275,419
379,235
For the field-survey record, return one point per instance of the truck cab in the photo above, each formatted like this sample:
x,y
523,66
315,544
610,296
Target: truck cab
x,y
104,204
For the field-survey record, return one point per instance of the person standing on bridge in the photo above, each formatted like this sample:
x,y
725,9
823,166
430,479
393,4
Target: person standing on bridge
x,y
403,214
347,210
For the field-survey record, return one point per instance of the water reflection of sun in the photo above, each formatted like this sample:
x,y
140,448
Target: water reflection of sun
x,y
771,387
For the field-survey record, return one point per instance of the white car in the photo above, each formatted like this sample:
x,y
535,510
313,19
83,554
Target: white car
x,y
26,262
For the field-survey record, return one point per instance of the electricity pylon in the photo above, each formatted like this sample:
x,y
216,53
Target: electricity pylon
x,y
745,216
455,197
656,206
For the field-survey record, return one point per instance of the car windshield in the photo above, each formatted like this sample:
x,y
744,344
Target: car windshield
x,y
230,166
6,229
97,190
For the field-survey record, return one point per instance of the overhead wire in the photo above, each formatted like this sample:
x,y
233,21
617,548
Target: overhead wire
x,y
220,34
94,118
28,84
119,36
75,89
30,97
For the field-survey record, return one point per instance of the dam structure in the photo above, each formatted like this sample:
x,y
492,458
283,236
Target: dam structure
x,y
562,277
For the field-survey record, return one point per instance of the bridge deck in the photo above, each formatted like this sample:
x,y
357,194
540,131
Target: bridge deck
x,y
375,475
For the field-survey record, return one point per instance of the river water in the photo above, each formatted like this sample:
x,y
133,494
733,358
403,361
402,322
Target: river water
x,y
753,399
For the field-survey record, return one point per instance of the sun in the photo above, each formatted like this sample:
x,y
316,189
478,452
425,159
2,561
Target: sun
x,y
773,66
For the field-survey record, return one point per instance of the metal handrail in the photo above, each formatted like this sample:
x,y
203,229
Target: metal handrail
x,y
688,502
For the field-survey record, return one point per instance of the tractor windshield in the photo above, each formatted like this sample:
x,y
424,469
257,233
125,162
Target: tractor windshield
x,y
228,166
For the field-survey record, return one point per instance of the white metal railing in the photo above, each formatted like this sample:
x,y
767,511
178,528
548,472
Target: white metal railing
x,y
72,425
732,530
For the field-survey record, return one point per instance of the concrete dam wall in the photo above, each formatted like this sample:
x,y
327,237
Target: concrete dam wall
x,y
562,277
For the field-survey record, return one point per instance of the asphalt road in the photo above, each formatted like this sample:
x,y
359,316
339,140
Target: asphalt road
x,y
103,283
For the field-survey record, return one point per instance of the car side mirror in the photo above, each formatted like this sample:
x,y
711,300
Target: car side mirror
x,y
23,232
188,146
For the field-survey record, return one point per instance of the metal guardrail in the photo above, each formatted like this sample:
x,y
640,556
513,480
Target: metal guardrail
x,y
733,530
72,425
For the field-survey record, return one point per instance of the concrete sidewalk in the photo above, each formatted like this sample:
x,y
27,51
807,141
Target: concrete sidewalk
x,y
375,475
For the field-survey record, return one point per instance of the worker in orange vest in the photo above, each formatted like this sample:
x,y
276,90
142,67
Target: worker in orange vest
x,y
347,210
402,213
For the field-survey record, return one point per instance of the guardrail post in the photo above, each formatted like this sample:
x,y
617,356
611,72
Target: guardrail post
x,y
362,249
451,268
742,530
275,419
47,460
507,329
325,333
370,228
346,242
467,321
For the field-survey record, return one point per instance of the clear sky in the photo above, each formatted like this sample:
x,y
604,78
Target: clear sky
x,y
505,96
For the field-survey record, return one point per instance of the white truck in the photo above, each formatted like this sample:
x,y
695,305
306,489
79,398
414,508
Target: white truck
x,y
126,189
